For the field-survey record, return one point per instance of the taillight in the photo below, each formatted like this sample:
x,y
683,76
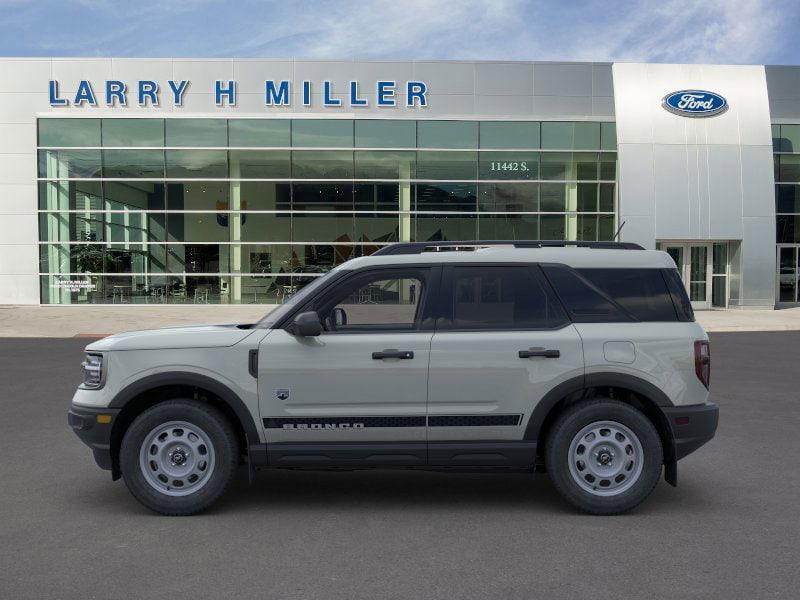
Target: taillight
x,y
702,361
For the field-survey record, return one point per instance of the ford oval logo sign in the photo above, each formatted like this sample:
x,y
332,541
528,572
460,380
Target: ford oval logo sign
x,y
695,103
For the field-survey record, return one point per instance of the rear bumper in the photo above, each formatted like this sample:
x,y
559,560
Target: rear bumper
x,y
95,434
692,426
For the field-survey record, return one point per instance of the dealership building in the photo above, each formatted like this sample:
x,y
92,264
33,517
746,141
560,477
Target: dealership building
x,y
152,181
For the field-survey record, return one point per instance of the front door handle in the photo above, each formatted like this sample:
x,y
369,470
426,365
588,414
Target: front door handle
x,y
531,352
401,354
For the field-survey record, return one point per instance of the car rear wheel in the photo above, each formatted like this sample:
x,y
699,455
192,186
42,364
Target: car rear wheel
x,y
604,456
178,457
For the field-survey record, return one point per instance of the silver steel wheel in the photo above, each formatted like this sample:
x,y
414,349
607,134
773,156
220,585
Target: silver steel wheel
x,y
177,458
605,458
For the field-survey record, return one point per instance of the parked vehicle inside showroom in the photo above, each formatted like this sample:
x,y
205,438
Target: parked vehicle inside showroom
x,y
581,359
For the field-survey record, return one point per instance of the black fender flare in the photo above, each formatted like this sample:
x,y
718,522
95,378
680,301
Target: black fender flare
x,y
189,378
583,382
548,401
578,385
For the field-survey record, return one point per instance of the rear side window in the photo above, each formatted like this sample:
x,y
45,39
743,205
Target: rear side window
x,y
501,298
585,302
642,292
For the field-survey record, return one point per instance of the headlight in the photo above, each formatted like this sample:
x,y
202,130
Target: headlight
x,y
93,371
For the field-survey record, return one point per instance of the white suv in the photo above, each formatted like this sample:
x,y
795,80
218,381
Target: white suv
x,y
581,359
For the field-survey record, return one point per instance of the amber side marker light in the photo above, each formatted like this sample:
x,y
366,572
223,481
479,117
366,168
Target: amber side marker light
x,y
104,419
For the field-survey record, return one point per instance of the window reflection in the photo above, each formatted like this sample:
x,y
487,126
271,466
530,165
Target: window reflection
x,y
508,227
447,165
508,197
65,164
264,133
64,133
447,134
198,195
460,197
197,163
322,164
227,212
124,164
196,133
445,227
509,134
260,164
322,133
133,132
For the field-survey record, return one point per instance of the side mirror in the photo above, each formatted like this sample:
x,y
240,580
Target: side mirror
x,y
339,317
306,325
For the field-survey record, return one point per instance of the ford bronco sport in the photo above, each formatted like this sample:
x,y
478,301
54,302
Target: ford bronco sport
x,y
579,359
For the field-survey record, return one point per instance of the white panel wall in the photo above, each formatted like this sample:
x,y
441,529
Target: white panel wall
x,y
699,178
21,95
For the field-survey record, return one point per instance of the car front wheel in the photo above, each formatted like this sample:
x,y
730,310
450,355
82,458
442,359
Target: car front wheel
x,y
178,457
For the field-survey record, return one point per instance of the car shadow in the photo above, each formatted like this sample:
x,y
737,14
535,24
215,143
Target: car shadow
x,y
283,490
404,488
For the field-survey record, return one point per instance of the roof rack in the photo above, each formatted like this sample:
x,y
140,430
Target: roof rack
x,y
420,247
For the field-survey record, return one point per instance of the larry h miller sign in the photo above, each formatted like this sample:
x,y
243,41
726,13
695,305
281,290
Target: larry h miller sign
x,y
276,93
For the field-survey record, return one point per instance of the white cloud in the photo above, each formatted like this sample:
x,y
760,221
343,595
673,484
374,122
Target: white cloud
x,y
716,31
384,28
735,31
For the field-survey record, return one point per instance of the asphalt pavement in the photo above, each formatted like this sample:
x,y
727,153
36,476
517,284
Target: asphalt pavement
x,y
729,530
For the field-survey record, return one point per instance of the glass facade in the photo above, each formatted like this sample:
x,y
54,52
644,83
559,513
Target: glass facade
x,y
786,148
248,210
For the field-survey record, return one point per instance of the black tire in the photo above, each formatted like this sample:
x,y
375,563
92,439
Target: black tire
x,y
557,458
221,437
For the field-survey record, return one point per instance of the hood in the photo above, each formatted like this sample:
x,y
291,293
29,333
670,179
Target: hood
x,y
203,336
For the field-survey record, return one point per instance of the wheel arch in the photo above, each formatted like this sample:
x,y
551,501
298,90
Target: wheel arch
x,y
153,389
630,389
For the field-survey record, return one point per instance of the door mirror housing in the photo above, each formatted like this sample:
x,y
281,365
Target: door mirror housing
x,y
306,324
339,317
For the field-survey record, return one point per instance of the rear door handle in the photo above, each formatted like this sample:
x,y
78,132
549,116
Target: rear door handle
x,y
401,354
532,352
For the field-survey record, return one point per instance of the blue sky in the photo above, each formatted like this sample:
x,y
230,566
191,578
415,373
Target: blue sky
x,y
713,31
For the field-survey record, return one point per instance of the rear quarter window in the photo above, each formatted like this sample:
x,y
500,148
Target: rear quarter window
x,y
641,292
680,298
585,302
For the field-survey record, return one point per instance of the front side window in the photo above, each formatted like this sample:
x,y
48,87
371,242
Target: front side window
x,y
501,298
295,298
380,301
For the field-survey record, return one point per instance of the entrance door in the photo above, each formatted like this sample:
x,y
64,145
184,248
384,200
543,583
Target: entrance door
x,y
787,281
694,265
698,275
358,391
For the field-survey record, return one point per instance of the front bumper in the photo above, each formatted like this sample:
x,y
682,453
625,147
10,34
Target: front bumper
x,y
692,426
93,426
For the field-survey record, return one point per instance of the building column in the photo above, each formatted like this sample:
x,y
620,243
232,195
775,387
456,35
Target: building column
x,y
57,230
571,228
235,234
405,202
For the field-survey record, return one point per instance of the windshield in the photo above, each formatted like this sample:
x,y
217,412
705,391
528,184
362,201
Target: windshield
x,y
300,296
